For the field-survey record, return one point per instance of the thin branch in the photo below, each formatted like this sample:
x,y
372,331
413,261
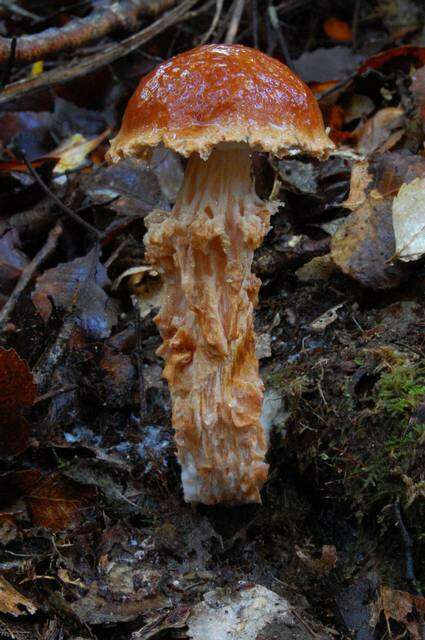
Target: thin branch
x,y
275,24
29,271
97,61
355,22
237,10
291,5
139,360
10,62
59,202
55,392
214,23
13,7
80,31
254,21
116,253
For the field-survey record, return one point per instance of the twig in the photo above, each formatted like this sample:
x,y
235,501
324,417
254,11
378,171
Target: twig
x,y
10,62
291,5
97,61
59,202
29,271
12,7
408,547
254,20
355,22
55,392
81,31
237,10
116,253
139,360
44,369
275,24
214,23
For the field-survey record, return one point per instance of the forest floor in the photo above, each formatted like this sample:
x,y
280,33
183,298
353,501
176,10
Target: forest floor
x,y
95,538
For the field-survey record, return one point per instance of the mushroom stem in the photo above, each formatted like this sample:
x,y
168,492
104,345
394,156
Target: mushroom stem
x,y
204,251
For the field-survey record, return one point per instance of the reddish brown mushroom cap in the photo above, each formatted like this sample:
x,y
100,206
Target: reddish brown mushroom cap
x,y
221,93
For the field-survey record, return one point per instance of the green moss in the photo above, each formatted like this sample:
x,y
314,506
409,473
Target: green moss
x,y
389,466
401,389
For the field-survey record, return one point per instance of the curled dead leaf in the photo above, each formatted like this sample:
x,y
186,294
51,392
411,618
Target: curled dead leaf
x,y
409,220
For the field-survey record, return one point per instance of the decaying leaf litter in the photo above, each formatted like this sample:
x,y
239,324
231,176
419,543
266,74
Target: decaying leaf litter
x,y
96,540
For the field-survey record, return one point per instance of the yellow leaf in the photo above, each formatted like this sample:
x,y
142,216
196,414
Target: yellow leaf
x,y
37,68
73,152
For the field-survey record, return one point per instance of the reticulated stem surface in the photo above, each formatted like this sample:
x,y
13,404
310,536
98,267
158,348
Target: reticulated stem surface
x,y
204,251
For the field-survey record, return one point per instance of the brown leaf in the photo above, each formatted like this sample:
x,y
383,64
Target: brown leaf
x,y
12,260
375,134
360,181
406,51
17,390
337,30
12,602
363,244
391,170
175,619
417,89
130,187
14,433
15,484
79,285
323,64
323,565
17,387
59,503
94,608
396,604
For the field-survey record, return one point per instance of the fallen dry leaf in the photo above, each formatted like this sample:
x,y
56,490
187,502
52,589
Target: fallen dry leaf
x,y
323,565
58,503
406,51
409,220
360,181
17,387
321,65
364,243
381,131
175,619
12,602
391,170
12,260
337,30
318,268
131,187
398,606
78,285
417,89
95,608
17,391
72,153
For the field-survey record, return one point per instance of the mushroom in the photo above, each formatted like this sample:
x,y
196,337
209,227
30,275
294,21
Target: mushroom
x,y
213,105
